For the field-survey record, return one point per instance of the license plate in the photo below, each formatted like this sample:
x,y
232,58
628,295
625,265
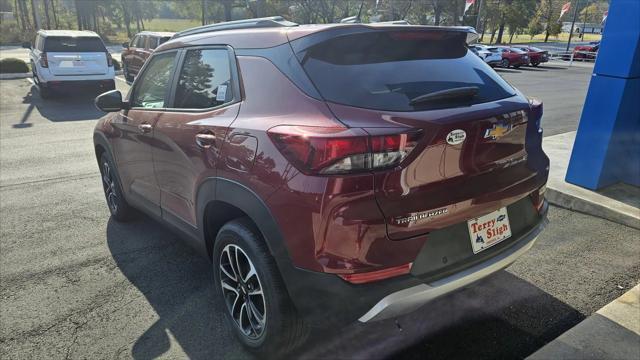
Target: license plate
x,y
488,230
78,63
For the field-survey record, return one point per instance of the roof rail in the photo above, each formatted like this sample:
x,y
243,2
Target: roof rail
x,y
272,21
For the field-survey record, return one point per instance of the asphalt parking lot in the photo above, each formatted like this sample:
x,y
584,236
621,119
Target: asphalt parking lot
x,y
75,284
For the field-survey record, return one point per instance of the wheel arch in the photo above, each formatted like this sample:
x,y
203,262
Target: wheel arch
x,y
222,200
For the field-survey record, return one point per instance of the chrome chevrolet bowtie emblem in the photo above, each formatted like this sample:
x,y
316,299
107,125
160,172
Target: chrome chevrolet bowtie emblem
x,y
497,131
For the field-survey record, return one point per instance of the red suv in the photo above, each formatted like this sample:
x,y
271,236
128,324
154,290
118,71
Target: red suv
x,y
136,52
331,173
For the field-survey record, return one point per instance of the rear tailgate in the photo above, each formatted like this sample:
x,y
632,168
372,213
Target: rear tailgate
x,y
67,63
443,182
473,157
76,55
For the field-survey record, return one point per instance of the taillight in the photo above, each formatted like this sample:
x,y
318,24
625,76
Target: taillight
x,y
43,60
109,60
366,277
329,151
537,197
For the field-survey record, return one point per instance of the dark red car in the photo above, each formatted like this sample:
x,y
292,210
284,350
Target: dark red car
x,y
536,55
136,52
513,57
332,173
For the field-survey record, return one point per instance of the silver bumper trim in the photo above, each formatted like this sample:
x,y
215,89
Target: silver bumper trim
x,y
408,300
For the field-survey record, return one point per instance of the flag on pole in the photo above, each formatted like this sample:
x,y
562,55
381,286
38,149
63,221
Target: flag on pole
x,y
467,5
604,16
565,9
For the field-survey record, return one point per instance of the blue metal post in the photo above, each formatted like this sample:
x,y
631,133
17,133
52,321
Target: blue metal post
x,y
607,145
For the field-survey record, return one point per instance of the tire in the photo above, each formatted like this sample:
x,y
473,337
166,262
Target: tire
x,y
118,206
276,328
535,64
516,66
45,93
504,63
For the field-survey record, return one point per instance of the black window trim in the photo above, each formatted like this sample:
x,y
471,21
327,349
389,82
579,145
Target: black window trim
x,y
131,94
233,70
175,75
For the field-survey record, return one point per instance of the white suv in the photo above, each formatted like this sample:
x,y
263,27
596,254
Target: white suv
x,y
64,58
490,55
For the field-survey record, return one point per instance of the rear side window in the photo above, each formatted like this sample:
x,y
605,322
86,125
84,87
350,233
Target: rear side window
x,y
205,80
385,70
153,42
164,39
151,88
140,42
73,44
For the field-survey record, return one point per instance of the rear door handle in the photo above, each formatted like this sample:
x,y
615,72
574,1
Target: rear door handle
x,y
205,140
145,128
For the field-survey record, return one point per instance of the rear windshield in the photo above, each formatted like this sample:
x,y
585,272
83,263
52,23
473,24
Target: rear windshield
x,y
385,70
73,44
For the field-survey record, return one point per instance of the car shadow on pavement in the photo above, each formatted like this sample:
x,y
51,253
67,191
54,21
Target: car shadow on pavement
x,y
502,316
72,105
176,282
499,317
503,70
530,68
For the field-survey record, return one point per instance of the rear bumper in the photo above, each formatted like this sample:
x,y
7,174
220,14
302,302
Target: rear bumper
x,y
408,300
105,84
45,75
317,294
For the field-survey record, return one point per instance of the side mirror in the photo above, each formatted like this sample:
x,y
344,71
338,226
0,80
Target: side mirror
x,y
111,101
26,45
125,44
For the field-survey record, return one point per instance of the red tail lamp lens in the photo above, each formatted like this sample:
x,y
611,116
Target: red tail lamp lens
x,y
44,62
326,151
377,275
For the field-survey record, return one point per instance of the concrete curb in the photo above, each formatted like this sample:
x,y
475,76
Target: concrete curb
x,y
11,76
613,332
573,197
575,203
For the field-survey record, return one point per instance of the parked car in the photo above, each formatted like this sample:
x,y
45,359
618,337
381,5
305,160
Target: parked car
x,y
513,57
536,55
332,173
490,55
136,52
589,51
63,59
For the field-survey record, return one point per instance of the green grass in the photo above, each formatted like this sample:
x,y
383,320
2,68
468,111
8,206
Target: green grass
x,y
171,25
563,37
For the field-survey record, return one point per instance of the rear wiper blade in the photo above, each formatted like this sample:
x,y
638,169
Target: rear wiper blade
x,y
455,93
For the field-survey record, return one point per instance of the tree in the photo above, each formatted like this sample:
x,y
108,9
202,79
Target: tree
x,y
550,14
46,13
517,15
438,8
535,27
36,19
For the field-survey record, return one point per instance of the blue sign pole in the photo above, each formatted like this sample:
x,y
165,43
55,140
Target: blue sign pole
x,y
607,146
